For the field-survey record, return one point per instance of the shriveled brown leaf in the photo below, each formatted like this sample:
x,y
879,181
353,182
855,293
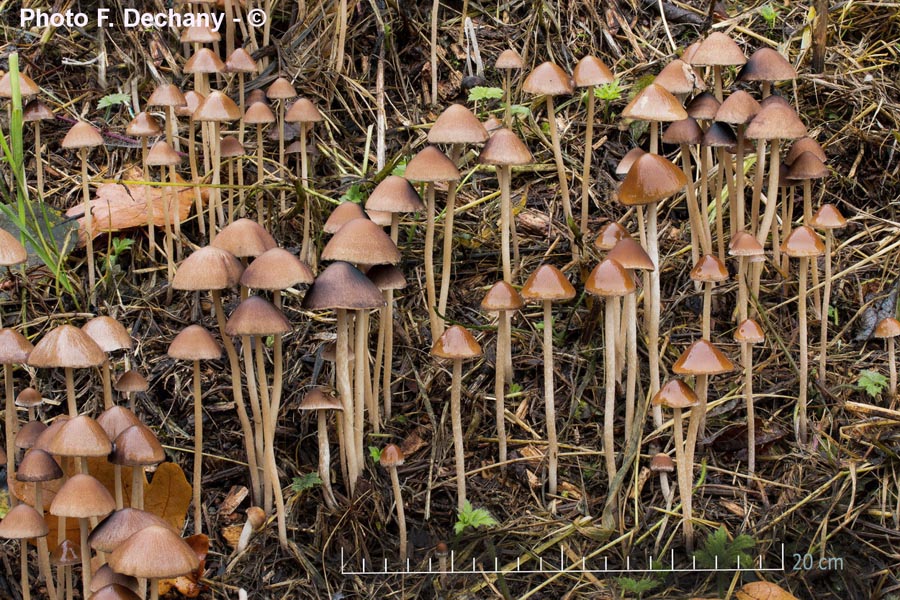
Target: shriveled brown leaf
x,y
763,590
189,585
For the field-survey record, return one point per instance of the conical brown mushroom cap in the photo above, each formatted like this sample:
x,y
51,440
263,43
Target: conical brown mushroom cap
x,y
113,591
166,94
675,394
457,125
610,235
66,346
678,77
194,343
609,278
702,358
217,107
154,552
281,89
807,166
456,342
718,50
14,348
161,154
767,64
391,456
29,398
887,328
12,252
502,296
828,217
276,269
704,107
131,381
115,420
199,34
509,60
431,165
109,334
28,434
230,147
36,111
303,111
342,214
386,277
208,268
318,399
655,103
589,71
547,283
43,440
143,125
805,144
776,121
651,179
192,100
22,522
631,255
744,244
38,465
749,332
82,497
685,131
105,576
738,108
719,135
505,148
361,241
259,113
342,285
244,237
82,135
137,446
257,316
80,436
662,463
548,79
803,242
394,194
204,61
709,268
121,525
27,86
240,61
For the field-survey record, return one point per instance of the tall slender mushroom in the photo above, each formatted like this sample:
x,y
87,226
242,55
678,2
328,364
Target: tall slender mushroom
x,y
386,278
114,421
588,73
306,114
217,108
281,91
745,247
162,155
717,51
259,114
829,218
804,168
546,285
241,63
23,523
193,99
67,347
708,271
720,138
39,467
195,343
14,350
888,329
320,401
168,96
457,344
748,333
173,556
687,133
391,458
35,112
738,109
138,448
110,335
130,383
508,61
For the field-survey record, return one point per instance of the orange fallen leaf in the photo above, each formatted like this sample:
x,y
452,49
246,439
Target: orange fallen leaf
x,y
763,590
189,585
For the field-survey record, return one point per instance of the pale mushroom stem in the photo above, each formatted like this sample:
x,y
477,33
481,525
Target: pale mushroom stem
x,y
435,6
685,473
693,210
804,353
107,386
198,199
826,302
738,217
325,460
504,175
270,467
653,321
549,403
342,36
215,196
70,393
707,309
500,385
137,487
429,262
277,369
698,415
588,155
281,145
88,226
632,362
256,412
304,179
747,359
85,558
39,162
176,215
560,166
117,483
401,516
705,159
238,395
807,217
43,552
507,95
455,153
609,410
198,449
345,391
154,588
456,419
12,425
23,568
167,216
725,173
359,385
260,172
892,365
771,198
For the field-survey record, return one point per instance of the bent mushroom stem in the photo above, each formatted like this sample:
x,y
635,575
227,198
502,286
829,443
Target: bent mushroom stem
x,y
560,166
401,516
549,403
255,410
270,471
455,153
456,419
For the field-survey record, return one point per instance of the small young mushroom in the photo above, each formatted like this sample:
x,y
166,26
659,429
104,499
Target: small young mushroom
x,y
39,467
320,401
748,333
23,523
829,218
888,329
391,458
509,60
281,90
14,349
171,556
110,335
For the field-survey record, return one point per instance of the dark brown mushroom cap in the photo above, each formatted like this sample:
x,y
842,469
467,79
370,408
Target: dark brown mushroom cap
x,y
29,398
718,50
105,576
204,61
276,269
828,217
303,111
625,164
230,147
167,94
342,285
208,268
137,446
361,241
651,179
548,79
610,235
259,113
591,71
506,149
391,456
194,343
240,61
719,135
744,244
14,348
36,111
115,420
431,165
66,554
161,154
281,89
803,242
82,135
22,522
631,255
66,346
342,214
38,465
143,125
457,125
807,166
738,108
709,269
748,331
121,525
502,296
492,124
131,381
685,131
888,327
805,144
675,394
154,552
609,278
547,283
27,86
217,107
114,591
82,497
386,277
28,434
767,64
702,358
456,342
80,436
244,237
396,195
319,399
678,77
662,463
12,252
776,121
257,316
704,106
509,60
257,95
109,334
654,103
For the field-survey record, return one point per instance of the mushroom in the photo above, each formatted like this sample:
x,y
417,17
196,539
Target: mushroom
x,y
320,401
130,383
386,278
680,79
829,218
242,63
803,243
217,108
120,525
192,100
195,343
162,155
35,112
738,110
547,284
766,65
717,51
749,332
143,126
80,437
747,249
281,90
806,167
105,576
67,347
589,72
114,421
549,80
110,335
508,61
14,349
306,114
168,96
64,557
431,166
170,556
137,447
655,104
23,523
256,519
30,399
391,458
39,467
708,271
720,137
687,133
887,329
232,149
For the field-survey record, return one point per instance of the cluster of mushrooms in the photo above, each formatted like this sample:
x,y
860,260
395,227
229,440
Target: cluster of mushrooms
x,y
730,148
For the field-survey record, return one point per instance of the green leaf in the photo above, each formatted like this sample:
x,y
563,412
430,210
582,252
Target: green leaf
x,y
111,100
519,109
400,169
485,93
354,194
472,517
375,453
305,482
872,382
608,92
720,552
